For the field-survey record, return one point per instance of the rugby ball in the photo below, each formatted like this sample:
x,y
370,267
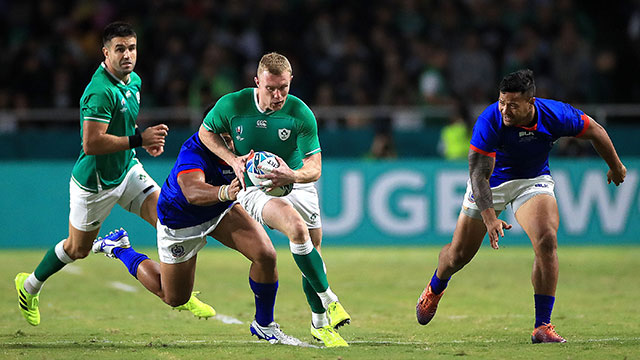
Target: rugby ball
x,y
262,162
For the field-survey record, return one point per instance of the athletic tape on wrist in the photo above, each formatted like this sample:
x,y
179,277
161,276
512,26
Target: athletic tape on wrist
x,y
223,193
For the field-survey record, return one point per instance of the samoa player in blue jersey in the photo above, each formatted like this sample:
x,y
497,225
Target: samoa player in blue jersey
x,y
509,164
198,200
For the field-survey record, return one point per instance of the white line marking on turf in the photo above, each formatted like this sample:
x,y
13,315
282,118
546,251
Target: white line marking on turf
x,y
227,319
73,269
124,287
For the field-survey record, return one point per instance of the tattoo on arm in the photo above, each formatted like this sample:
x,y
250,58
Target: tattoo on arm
x,y
480,169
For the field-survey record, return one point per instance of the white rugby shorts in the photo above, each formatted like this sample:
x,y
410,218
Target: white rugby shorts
x,y
303,198
513,192
179,245
88,210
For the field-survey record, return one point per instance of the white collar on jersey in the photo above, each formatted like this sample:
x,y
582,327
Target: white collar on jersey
x,y
255,100
113,76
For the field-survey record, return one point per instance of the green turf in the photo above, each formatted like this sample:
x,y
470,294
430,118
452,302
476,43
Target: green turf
x,y
487,312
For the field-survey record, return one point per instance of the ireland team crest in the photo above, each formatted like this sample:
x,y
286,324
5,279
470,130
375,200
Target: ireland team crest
x,y
283,134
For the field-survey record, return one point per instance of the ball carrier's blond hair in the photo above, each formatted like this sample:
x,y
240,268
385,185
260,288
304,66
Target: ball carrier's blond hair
x,y
275,64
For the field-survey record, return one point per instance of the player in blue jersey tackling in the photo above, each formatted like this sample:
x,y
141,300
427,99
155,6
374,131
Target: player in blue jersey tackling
x,y
509,164
198,200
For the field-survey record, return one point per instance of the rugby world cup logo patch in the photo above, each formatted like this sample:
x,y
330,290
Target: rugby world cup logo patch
x,y
239,133
283,134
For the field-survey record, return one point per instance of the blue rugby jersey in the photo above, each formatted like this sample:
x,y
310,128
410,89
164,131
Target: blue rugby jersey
x,y
174,210
523,152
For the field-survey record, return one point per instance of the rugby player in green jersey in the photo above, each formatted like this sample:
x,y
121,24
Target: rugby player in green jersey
x,y
107,171
268,118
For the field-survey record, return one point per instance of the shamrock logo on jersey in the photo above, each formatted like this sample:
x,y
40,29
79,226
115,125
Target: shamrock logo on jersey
x,y
283,134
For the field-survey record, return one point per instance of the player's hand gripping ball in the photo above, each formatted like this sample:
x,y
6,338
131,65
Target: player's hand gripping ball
x,y
262,162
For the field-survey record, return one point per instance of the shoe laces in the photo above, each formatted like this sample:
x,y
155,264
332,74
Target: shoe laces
x,y
282,337
551,329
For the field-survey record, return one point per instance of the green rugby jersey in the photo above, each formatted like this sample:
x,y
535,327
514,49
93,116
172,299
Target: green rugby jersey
x,y
108,100
291,132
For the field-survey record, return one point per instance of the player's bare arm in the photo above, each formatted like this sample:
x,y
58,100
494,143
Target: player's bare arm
x,y
198,192
603,145
283,175
480,169
96,141
216,144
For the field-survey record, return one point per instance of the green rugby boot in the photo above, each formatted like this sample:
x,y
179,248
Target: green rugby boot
x,y
337,315
329,336
197,307
27,303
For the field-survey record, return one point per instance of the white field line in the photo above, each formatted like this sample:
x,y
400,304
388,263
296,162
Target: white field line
x,y
213,342
122,286
226,319
73,269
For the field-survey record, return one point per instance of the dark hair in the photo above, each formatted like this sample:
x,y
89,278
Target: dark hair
x,y
520,81
117,29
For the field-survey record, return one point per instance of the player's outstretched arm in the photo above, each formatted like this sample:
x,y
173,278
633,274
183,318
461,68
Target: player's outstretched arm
x,y
283,175
604,146
198,192
480,169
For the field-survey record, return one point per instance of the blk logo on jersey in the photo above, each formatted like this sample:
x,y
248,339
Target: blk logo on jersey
x,y
284,134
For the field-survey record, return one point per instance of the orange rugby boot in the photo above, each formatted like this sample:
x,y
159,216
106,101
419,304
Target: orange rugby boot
x,y
546,333
427,305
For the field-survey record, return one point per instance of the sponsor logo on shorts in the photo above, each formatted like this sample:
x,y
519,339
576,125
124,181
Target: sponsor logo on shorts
x,y
313,217
541,185
176,250
471,198
142,177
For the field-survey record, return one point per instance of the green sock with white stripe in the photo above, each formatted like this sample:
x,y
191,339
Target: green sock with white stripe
x,y
310,263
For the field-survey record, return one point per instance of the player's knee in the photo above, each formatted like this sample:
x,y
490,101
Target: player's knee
x,y
298,231
547,243
78,252
174,300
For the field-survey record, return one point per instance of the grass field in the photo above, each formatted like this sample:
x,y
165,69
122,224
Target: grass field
x,y
95,309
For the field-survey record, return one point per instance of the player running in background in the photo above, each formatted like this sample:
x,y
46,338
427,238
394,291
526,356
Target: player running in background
x,y
196,201
268,118
509,164
107,171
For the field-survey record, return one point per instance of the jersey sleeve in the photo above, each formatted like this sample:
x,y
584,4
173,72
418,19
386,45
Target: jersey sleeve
x,y
98,106
189,161
573,122
307,141
218,120
484,139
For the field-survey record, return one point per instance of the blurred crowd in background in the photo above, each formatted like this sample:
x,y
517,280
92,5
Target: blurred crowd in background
x,y
349,52
402,52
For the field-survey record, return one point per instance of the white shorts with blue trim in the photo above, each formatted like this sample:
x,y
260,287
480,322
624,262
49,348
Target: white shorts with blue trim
x,y
513,192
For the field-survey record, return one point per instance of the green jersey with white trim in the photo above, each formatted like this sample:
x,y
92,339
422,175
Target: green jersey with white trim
x,y
291,132
108,100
